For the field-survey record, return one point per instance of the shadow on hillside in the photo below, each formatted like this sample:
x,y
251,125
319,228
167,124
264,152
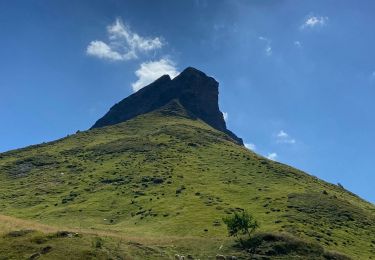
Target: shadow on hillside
x,y
284,246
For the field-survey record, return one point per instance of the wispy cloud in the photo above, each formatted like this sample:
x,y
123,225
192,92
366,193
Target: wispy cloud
x,y
250,146
152,70
297,44
225,115
268,48
314,21
284,138
123,44
272,156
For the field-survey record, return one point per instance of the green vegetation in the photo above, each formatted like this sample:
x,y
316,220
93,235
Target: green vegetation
x,y
31,244
241,224
159,185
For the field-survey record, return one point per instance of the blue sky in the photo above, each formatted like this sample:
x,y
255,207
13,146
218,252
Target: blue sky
x,y
297,78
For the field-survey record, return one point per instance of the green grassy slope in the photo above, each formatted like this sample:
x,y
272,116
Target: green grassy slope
x,y
166,179
23,239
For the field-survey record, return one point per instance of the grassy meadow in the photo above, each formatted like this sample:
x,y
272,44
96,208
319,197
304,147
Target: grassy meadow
x,y
159,185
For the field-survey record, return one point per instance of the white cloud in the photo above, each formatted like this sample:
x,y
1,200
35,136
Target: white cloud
x,y
298,44
225,115
152,70
272,156
121,33
123,44
250,146
283,137
268,51
314,21
103,51
282,134
268,48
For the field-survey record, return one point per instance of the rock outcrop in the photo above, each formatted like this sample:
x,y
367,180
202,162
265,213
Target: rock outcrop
x,y
193,89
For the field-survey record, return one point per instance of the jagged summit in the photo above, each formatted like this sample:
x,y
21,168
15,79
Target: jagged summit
x,y
193,89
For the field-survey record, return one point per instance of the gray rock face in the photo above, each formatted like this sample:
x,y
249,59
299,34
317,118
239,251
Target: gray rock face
x,y
193,89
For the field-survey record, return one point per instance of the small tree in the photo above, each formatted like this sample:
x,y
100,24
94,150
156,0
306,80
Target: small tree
x,y
241,224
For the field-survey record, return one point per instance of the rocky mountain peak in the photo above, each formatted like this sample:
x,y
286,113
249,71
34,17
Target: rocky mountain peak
x,y
194,90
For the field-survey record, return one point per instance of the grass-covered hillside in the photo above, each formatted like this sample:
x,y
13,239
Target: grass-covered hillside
x,y
159,185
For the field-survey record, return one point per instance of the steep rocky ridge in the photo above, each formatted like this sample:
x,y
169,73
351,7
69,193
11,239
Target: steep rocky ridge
x,y
193,89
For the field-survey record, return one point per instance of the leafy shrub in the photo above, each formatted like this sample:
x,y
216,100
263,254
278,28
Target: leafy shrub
x,y
241,223
98,242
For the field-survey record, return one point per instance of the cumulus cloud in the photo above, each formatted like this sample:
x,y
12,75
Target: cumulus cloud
x,y
123,44
272,156
283,137
225,115
103,51
152,70
250,146
314,21
267,48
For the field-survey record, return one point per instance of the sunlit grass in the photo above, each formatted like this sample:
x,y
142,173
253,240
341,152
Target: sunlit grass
x,y
168,180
